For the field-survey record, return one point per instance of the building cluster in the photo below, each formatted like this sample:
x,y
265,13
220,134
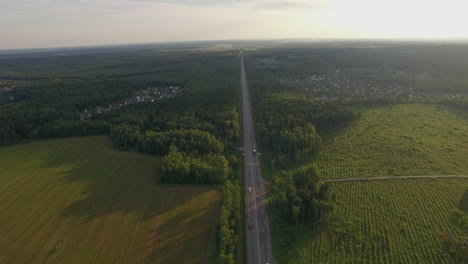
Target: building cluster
x,y
156,93
358,83
147,95
7,86
267,62
7,89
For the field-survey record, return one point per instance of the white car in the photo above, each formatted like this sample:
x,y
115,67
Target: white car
x,y
250,189
254,151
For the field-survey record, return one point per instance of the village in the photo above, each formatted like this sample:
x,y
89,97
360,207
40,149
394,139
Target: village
x,y
7,89
7,86
148,95
267,62
354,83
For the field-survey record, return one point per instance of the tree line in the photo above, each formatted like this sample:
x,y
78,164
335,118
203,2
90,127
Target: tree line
x,y
191,141
229,224
177,167
190,156
19,122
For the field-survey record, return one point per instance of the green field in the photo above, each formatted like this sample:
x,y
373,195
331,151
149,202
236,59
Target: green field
x,y
79,201
387,221
398,140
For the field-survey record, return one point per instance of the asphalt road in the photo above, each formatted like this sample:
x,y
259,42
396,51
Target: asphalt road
x,y
258,239
393,178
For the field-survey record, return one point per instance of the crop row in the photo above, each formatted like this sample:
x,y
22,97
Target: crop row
x,y
388,221
398,140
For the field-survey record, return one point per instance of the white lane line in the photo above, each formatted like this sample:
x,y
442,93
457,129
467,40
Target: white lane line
x,y
249,250
256,217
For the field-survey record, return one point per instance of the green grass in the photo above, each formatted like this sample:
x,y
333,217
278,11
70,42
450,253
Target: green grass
x,y
398,140
388,221
79,201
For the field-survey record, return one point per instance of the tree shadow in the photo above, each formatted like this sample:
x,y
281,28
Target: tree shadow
x,y
463,205
183,218
114,183
191,227
459,111
288,237
299,239
328,134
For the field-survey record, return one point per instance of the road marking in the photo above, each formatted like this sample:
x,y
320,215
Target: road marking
x,y
259,247
256,215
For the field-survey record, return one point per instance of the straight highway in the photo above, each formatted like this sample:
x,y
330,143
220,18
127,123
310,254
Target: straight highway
x,y
258,230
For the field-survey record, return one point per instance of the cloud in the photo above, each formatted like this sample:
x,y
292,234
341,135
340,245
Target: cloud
x,y
194,2
286,5
45,23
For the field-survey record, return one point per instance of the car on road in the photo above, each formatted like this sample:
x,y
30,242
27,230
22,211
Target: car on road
x,y
254,151
250,189
250,226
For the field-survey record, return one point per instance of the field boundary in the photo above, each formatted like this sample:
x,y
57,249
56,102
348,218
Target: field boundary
x,y
392,177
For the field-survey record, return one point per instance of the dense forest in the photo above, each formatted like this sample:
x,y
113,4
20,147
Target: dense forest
x,y
44,90
288,124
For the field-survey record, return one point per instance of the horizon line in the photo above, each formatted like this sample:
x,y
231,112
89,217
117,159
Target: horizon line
x,y
292,40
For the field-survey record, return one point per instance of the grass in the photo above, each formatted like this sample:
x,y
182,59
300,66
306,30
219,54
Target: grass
x,y
79,201
388,221
398,140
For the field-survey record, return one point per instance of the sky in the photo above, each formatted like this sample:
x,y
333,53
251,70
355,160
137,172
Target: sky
x,y
60,23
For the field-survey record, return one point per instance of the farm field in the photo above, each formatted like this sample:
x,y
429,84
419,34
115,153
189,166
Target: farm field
x,y
386,221
407,139
77,200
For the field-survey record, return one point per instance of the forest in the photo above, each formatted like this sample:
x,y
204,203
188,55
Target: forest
x,y
200,121
289,125
52,89
196,131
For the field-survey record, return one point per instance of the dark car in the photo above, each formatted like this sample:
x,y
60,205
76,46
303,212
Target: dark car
x,y
250,226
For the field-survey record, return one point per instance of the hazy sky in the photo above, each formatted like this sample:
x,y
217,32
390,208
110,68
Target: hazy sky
x,y
52,23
